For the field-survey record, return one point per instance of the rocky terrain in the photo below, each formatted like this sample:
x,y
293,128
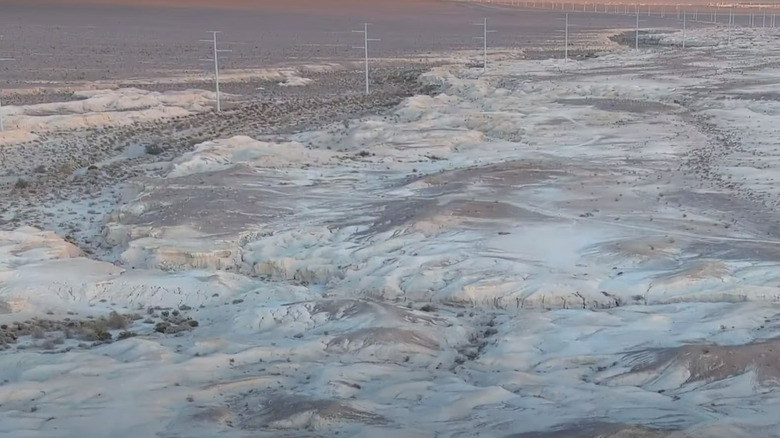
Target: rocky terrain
x,y
59,180
545,249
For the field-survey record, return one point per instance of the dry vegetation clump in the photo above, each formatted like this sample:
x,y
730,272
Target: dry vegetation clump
x,y
175,324
97,331
51,343
172,321
37,333
116,321
153,149
49,333
428,308
126,335
21,184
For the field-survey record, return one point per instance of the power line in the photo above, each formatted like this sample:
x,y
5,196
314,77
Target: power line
x,y
1,95
485,33
364,47
215,60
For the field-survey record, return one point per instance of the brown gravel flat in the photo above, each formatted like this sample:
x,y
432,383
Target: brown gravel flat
x,y
55,40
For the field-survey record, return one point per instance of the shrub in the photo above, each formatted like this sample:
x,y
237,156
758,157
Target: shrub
x,y
153,149
126,335
116,321
94,332
21,183
37,333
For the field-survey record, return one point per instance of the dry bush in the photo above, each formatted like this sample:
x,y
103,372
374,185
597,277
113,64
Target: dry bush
x,y
37,333
21,183
96,331
126,335
153,149
428,308
51,344
116,321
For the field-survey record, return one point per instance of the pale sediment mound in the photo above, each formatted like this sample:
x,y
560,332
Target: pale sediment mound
x,y
287,411
370,337
29,263
29,245
376,310
432,216
180,255
214,414
223,154
704,363
39,269
639,250
600,430
115,107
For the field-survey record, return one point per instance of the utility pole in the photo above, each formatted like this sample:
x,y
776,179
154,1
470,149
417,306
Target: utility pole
x,y
366,40
215,60
731,22
566,42
485,33
636,34
2,128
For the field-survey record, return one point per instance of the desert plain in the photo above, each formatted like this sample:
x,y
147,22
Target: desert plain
x,y
575,242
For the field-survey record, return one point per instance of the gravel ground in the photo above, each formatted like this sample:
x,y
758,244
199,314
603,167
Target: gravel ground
x,y
52,41
74,168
